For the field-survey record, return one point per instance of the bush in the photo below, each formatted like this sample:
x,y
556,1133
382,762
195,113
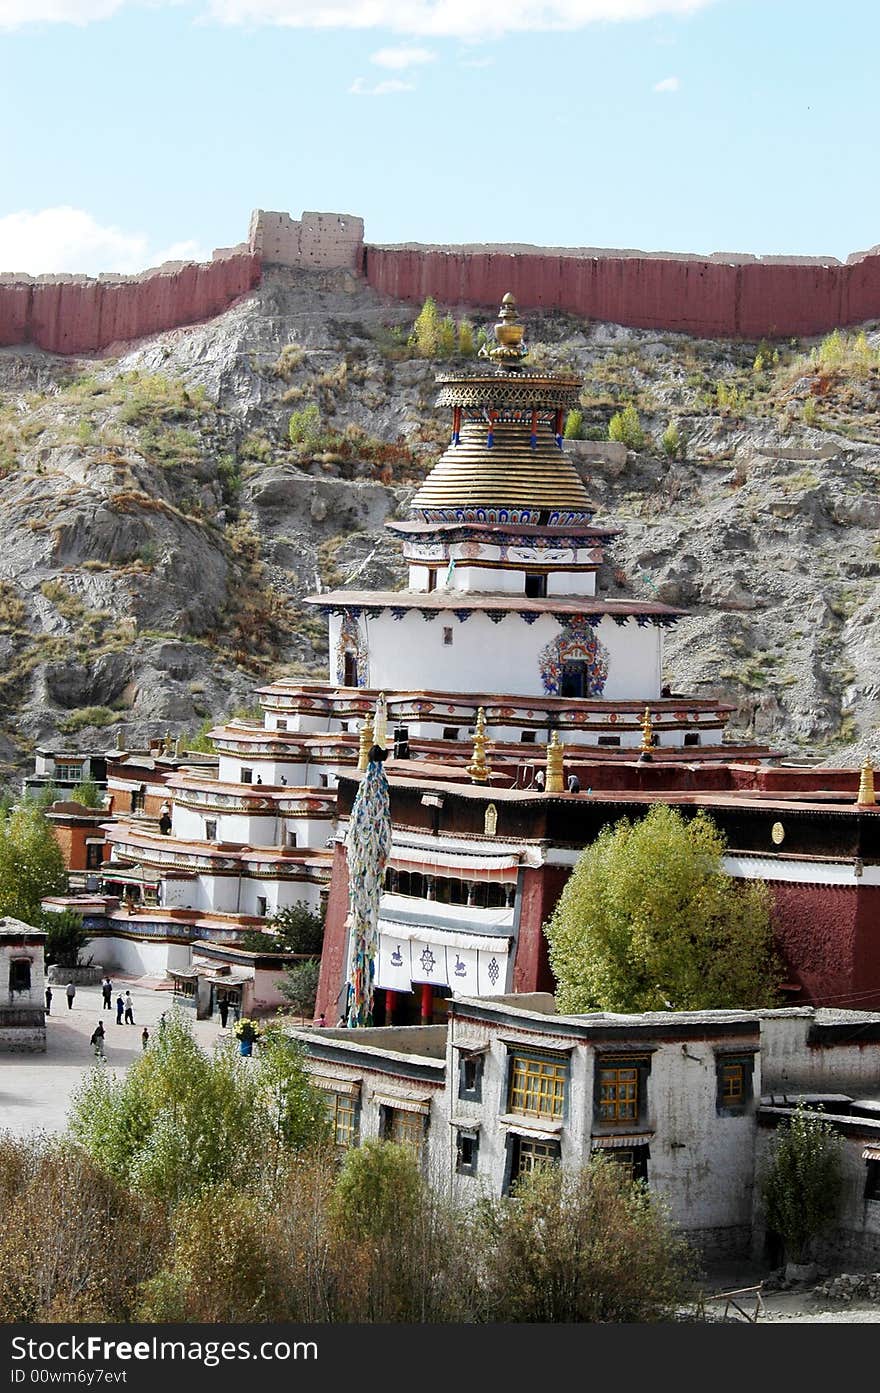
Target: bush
x,y
672,442
88,794
625,426
591,1245
300,985
802,1186
85,716
295,929
65,937
574,426
304,427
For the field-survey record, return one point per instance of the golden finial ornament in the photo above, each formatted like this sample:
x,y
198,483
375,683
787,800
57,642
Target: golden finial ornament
x,y
648,739
365,744
509,348
478,768
866,797
553,782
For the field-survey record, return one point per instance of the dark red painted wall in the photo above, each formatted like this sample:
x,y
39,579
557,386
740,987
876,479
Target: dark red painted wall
x,y
541,889
823,933
713,299
84,316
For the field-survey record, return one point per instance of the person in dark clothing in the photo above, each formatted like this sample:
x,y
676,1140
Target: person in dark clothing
x,y
98,1039
107,993
574,783
120,1007
48,1001
223,1008
145,1038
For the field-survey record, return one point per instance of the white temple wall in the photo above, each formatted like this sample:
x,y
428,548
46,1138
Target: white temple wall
x,y
486,580
267,768
138,957
410,654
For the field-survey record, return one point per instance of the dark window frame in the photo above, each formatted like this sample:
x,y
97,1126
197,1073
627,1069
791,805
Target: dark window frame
x,y
638,1060
514,1145
872,1181
467,1151
725,1060
470,1076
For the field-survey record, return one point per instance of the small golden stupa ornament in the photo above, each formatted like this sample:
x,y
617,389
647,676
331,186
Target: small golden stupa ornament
x,y
553,780
647,732
365,744
509,348
866,797
478,768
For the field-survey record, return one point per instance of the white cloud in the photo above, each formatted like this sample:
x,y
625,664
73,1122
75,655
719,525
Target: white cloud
x,y
400,58
359,87
69,239
476,62
445,18
669,84
14,13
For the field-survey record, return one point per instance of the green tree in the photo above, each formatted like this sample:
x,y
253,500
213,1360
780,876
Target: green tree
x,y
803,1182
466,346
425,336
31,864
295,929
671,441
626,427
182,1120
588,1245
304,427
649,919
299,984
65,936
574,426
88,794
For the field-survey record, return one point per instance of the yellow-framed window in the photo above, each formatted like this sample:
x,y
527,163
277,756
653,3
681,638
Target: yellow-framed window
x,y
619,1092
733,1084
537,1086
532,1154
343,1118
407,1128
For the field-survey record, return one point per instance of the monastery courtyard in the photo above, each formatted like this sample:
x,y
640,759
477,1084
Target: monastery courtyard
x,y
35,1089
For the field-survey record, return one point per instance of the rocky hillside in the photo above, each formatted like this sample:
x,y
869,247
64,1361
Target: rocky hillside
x,y
159,527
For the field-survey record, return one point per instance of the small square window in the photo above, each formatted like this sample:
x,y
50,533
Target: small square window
x,y
620,1091
467,1147
470,1077
280,725
536,587
290,839
246,776
447,635
608,740
210,830
450,732
262,906
692,737
323,780
20,975
734,1083
529,737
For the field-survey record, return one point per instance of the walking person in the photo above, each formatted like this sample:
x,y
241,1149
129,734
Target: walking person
x,y
120,1007
223,1008
107,991
48,1000
98,1040
145,1038
71,993
129,1009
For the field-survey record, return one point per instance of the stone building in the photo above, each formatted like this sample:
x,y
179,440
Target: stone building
x,y
22,987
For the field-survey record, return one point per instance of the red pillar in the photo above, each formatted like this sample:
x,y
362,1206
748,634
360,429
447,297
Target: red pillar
x,y
427,1003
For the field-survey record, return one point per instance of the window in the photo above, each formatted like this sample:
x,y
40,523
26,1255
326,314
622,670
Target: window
x,y
432,580
537,1085
692,737
68,773
527,1154
528,737
608,740
467,1146
634,1160
280,725
620,1092
450,732
734,1083
349,669
573,681
94,856
447,636
138,799
872,1181
402,1126
290,839
323,781
344,1119
20,975
470,1077
262,906
536,587
210,829
246,776
343,726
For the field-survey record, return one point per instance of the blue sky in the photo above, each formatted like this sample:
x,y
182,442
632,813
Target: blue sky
x,y
136,129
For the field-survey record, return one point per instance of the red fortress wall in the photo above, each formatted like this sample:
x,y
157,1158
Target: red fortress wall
x,y
718,296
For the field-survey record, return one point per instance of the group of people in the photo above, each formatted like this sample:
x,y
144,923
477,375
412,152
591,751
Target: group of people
x,y
124,1012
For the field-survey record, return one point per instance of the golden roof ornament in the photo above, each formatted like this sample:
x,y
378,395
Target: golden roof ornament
x,y
866,797
365,743
509,348
380,722
648,738
555,752
478,768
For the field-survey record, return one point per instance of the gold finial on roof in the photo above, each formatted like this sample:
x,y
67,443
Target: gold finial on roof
x,y
509,330
648,739
553,782
365,744
478,768
866,796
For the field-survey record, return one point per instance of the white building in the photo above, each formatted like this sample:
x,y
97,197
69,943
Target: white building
x,y
22,987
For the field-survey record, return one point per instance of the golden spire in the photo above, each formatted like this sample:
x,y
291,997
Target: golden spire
x,y
478,768
365,744
553,780
866,796
509,330
647,732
